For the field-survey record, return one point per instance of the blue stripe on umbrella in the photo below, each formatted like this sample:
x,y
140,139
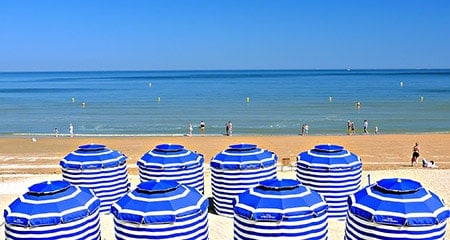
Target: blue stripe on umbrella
x,y
243,156
236,169
280,208
99,168
402,207
333,172
51,210
175,163
93,156
161,208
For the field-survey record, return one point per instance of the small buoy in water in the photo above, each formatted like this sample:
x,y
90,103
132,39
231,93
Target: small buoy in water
x,y
330,99
401,84
149,84
421,98
247,99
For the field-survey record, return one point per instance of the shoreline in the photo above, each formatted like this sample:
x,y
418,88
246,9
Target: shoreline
x,y
378,152
89,135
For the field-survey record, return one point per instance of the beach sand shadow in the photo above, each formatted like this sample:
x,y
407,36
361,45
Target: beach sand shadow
x,y
211,208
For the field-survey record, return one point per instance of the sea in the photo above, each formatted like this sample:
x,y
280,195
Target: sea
x,y
257,102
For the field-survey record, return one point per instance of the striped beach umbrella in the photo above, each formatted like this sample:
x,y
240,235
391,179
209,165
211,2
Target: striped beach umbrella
x,y
53,210
395,209
161,209
237,169
333,172
280,208
175,163
99,168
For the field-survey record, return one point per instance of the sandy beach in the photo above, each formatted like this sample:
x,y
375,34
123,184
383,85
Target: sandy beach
x,y
25,162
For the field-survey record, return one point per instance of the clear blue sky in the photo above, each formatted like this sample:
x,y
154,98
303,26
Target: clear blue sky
x,y
41,35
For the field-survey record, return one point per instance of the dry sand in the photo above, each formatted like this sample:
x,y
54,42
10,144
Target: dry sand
x,y
24,162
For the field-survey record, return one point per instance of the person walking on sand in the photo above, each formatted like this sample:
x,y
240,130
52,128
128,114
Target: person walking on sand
x,y
71,130
415,154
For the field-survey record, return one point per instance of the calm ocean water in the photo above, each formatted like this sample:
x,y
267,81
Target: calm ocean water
x,y
266,102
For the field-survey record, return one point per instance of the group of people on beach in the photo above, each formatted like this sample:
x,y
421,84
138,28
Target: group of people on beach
x,y
202,127
351,129
415,158
305,129
71,134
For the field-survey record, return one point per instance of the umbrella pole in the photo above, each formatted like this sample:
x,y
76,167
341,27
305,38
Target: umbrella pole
x,y
368,178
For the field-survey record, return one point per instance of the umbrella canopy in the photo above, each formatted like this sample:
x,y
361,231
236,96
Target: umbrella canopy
x,y
237,169
161,209
243,156
281,208
328,156
101,169
333,172
53,210
396,208
175,163
93,156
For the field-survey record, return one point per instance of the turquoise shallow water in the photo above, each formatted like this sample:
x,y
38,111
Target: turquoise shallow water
x,y
266,102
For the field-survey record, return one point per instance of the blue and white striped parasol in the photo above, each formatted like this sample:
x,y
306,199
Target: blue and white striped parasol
x,y
395,209
280,208
53,210
237,169
333,172
161,210
175,163
101,169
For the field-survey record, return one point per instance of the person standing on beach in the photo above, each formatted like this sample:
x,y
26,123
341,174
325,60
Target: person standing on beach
x,y
349,127
202,127
376,129
190,128
56,132
415,154
71,130
229,128
366,127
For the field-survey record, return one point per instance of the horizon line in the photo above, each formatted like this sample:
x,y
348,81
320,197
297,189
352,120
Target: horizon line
x,y
236,70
